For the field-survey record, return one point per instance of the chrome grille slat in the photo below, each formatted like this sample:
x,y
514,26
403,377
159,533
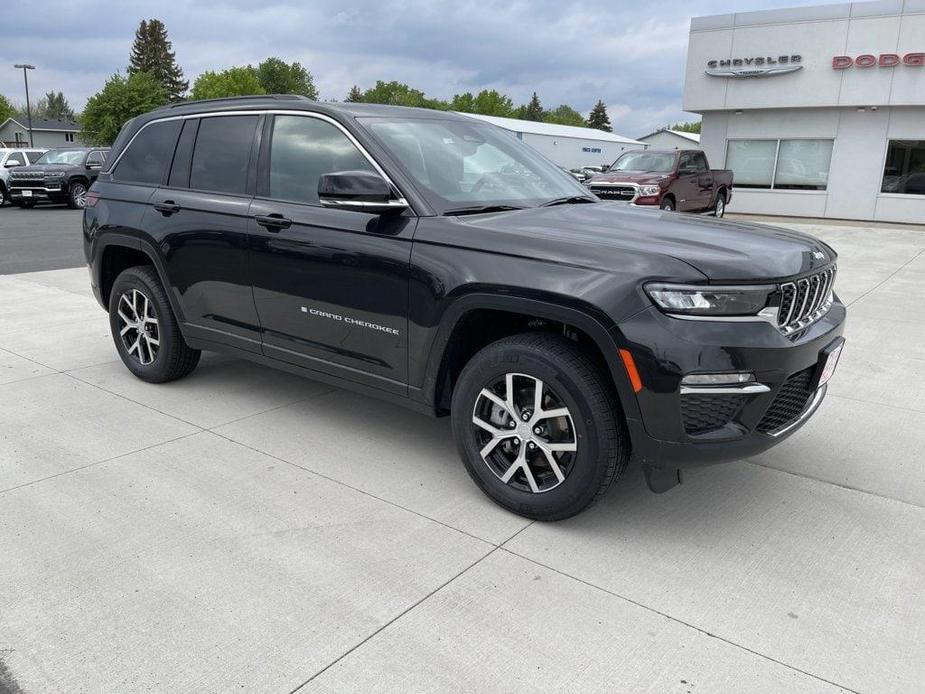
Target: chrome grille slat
x,y
805,300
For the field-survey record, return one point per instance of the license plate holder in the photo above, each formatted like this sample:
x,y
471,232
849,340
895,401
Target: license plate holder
x,y
828,360
27,193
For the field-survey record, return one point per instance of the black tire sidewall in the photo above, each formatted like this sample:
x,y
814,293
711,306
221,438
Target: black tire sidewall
x,y
720,200
168,333
582,483
667,206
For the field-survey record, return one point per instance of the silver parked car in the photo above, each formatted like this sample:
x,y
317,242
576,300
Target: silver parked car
x,y
10,159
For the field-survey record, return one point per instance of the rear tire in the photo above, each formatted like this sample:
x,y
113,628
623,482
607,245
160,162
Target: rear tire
x,y
667,204
719,207
4,196
145,330
578,422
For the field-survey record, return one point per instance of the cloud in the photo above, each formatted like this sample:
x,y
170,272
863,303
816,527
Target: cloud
x,y
630,55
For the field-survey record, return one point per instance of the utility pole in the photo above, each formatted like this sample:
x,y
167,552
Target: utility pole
x,y
25,77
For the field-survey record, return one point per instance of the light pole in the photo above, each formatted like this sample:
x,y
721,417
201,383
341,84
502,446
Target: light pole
x,y
25,77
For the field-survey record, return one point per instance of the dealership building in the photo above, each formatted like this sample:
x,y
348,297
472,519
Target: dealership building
x,y
819,111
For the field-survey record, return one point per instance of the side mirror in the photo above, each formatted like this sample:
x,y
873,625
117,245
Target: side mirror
x,y
360,191
11,164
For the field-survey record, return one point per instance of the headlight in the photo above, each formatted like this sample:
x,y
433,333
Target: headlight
x,y
697,300
649,191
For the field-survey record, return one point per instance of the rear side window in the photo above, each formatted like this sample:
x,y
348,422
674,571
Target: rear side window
x,y
179,171
222,153
147,157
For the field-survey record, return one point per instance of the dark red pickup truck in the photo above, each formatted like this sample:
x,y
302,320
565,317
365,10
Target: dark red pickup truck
x,y
679,180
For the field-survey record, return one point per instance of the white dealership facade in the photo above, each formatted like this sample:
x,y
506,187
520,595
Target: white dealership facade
x,y
819,111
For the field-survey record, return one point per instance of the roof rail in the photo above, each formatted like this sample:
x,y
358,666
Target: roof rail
x,y
254,97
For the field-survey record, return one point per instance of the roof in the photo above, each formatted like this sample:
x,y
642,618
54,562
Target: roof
x,y
552,129
67,126
693,137
297,103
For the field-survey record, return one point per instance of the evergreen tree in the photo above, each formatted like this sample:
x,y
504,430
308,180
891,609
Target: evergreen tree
x,y
151,53
690,127
278,77
354,95
53,106
533,110
599,119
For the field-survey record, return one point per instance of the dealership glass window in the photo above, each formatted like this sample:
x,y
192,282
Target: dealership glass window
x,y
780,164
752,162
904,171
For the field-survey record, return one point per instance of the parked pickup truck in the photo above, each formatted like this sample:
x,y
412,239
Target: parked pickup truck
x,y
679,180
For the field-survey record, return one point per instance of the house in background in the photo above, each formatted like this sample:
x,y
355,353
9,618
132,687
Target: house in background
x,y
671,139
14,132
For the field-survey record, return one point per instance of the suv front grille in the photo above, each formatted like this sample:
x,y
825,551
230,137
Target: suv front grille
x,y
789,403
805,300
613,192
703,413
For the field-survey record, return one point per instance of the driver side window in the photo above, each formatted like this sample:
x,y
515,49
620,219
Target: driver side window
x,y
95,159
302,149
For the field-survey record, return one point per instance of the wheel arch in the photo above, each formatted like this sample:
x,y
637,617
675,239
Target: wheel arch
x,y
117,252
463,331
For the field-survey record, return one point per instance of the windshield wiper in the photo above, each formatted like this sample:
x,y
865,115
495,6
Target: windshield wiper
x,y
570,200
480,209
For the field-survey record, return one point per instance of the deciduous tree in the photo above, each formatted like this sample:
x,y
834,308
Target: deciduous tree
x,y
54,106
235,81
120,99
278,77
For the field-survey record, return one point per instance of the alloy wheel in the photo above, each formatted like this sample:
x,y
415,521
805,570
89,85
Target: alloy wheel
x,y
138,326
720,207
79,195
525,433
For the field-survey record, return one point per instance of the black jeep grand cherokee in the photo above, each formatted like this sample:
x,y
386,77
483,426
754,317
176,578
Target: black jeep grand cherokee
x,y
439,262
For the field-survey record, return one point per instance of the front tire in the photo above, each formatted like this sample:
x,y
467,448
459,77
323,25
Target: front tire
x,y
145,329
77,195
538,427
667,205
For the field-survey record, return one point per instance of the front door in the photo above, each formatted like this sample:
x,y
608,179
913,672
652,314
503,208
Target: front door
x,y
688,185
330,286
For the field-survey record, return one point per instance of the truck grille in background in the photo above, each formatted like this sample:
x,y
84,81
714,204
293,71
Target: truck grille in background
x,y
703,413
25,179
804,300
613,192
789,403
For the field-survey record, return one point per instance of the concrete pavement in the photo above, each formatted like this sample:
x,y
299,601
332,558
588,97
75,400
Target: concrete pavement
x,y
243,529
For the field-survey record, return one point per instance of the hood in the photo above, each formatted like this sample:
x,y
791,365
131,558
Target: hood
x,y
720,250
646,178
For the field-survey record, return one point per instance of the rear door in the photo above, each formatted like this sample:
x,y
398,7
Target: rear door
x,y
198,218
331,285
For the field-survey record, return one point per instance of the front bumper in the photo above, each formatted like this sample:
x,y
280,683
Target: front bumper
x,y
46,193
666,435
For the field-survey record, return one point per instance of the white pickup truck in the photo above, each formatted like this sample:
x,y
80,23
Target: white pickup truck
x,y
10,159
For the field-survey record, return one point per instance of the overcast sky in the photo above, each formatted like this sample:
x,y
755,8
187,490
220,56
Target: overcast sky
x,y
629,54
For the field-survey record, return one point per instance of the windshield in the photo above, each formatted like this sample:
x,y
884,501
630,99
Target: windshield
x,y
653,162
62,156
458,164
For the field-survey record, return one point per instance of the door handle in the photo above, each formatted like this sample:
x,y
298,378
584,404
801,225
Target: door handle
x,y
273,222
167,208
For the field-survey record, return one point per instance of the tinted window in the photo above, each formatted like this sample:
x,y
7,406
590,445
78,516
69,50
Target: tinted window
x,y
221,155
147,156
179,171
700,161
96,158
34,156
302,150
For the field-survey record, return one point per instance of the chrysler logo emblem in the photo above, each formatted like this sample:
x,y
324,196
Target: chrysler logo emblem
x,y
760,66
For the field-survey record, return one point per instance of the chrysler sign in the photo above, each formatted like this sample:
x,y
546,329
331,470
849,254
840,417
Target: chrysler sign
x,y
760,66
